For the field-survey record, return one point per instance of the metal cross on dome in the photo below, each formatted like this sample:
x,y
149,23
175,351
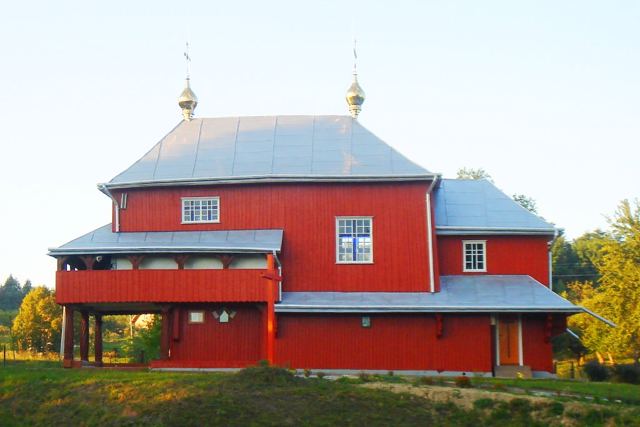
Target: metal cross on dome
x,y
187,59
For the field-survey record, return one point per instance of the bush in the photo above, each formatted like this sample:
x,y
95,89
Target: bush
x,y
463,381
263,375
307,373
321,375
484,403
596,372
627,374
364,377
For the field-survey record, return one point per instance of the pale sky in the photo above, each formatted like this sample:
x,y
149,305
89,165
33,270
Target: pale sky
x,y
544,95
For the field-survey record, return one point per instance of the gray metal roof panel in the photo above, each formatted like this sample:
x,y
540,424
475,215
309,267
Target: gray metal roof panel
x,y
278,147
477,293
104,241
463,206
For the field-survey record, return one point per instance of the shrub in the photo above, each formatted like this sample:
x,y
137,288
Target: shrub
x,y
425,381
321,375
555,408
484,403
365,377
263,375
627,374
390,373
307,373
463,381
596,372
499,386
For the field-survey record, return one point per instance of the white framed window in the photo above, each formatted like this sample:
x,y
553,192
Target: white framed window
x,y
198,210
474,255
354,240
196,317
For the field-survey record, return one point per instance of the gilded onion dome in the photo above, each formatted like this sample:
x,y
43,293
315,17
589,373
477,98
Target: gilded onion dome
x,y
355,97
188,101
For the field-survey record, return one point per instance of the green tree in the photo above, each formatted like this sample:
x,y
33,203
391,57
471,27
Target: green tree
x,y
471,173
526,202
618,295
37,326
10,294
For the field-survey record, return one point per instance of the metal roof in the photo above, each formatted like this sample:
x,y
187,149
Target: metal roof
x,y
464,206
104,241
269,148
477,293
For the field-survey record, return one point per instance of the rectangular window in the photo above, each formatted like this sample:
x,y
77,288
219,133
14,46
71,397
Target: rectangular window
x,y
354,240
474,255
196,317
198,210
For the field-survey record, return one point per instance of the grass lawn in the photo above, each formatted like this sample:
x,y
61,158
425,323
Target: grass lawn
x,y
627,393
42,393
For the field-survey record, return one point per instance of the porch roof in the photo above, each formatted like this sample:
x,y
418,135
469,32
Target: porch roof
x,y
104,241
458,294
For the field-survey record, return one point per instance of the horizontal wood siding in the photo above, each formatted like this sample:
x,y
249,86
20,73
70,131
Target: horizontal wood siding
x,y
505,255
234,344
306,213
393,342
160,286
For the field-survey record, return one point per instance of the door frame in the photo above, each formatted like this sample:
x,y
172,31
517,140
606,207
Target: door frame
x,y
497,340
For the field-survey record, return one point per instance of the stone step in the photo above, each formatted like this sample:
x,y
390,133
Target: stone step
x,y
513,371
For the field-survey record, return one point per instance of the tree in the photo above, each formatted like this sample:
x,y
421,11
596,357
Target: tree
x,y
526,202
10,294
470,173
37,326
26,288
618,295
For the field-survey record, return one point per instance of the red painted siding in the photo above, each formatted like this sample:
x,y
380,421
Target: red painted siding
x,y
537,353
393,342
160,286
505,255
307,214
237,343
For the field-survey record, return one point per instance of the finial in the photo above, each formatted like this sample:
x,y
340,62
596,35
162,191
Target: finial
x,y
355,94
188,100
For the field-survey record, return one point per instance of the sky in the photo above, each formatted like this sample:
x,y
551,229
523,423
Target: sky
x,y
544,95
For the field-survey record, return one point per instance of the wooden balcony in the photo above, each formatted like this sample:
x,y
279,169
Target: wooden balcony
x,y
162,286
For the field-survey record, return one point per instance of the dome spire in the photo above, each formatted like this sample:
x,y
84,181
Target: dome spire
x,y
188,101
355,94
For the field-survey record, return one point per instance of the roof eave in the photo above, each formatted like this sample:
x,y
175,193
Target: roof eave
x,y
300,308
265,179
162,250
444,230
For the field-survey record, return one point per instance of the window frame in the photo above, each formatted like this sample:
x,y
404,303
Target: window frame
x,y
464,256
337,238
191,199
193,322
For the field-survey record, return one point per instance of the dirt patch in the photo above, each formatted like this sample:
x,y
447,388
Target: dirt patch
x,y
463,397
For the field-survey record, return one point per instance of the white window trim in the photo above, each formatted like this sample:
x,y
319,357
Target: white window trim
x,y
191,322
335,236
189,199
464,252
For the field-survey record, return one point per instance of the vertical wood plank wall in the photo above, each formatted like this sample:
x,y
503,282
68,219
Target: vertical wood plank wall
x,y
393,342
307,214
505,255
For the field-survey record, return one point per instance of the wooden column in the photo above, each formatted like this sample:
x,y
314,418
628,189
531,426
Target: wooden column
x,y
68,337
165,334
84,338
271,329
98,340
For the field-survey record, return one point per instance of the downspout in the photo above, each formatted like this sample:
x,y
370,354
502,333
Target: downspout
x,y
430,235
555,236
105,190
275,256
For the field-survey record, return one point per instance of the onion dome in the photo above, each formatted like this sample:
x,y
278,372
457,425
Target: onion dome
x,y
188,101
355,97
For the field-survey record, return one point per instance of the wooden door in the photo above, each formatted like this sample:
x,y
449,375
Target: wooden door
x,y
508,338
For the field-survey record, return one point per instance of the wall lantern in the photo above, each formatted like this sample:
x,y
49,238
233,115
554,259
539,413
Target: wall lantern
x,y
224,315
366,321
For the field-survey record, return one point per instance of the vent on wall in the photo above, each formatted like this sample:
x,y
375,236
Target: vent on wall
x,y
123,201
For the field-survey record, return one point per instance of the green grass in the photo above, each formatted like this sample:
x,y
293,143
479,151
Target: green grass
x,y
627,393
42,393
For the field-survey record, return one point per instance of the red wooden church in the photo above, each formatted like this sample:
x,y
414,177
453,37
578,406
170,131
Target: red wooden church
x,y
309,242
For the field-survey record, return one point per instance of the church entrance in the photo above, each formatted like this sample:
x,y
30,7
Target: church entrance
x,y
509,340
